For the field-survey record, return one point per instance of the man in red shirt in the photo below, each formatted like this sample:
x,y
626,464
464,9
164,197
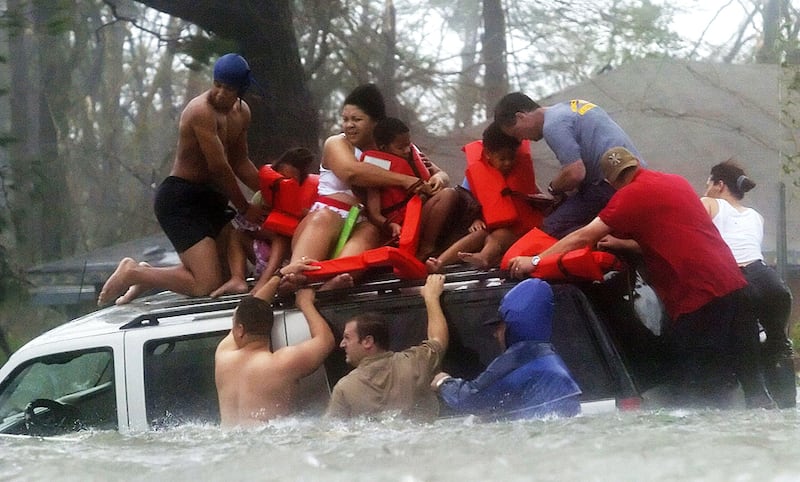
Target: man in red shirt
x,y
712,337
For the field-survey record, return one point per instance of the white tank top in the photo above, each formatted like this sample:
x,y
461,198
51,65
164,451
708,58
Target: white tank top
x,y
742,231
329,182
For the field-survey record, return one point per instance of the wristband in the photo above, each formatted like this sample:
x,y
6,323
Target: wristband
x,y
442,380
535,262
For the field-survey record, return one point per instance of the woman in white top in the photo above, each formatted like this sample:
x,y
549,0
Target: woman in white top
x,y
742,228
341,169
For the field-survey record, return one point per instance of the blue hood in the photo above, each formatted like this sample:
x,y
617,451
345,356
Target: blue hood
x,y
528,312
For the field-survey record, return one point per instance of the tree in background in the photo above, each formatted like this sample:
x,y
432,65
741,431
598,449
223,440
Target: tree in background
x,y
84,127
494,49
263,32
39,88
96,90
96,87
554,44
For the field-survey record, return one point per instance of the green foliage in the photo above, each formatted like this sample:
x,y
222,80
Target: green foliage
x,y
120,82
202,48
12,281
790,119
553,44
13,21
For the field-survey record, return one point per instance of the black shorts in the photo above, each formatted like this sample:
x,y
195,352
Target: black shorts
x,y
189,212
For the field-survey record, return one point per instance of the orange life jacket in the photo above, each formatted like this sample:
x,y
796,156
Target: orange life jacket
x,y
395,198
288,200
576,265
502,198
533,242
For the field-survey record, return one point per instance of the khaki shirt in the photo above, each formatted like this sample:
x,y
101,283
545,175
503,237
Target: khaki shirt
x,y
391,381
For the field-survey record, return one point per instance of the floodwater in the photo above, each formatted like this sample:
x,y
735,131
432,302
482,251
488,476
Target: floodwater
x,y
677,445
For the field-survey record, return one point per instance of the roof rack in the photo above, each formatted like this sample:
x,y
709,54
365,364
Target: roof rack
x,y
152,318
380,282
386,282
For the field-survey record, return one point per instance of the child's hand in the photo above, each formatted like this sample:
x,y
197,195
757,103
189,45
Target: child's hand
x,y
477,225
420,187
392,230
437,183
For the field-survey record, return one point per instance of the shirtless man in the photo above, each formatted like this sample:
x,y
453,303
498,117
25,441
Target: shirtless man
x,y
192,203
255,384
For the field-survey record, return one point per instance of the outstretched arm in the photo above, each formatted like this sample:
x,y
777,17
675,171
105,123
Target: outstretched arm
x,y
588,235
202,121
437,324
337,155
439,178
267,291
612,243
310,354
239,158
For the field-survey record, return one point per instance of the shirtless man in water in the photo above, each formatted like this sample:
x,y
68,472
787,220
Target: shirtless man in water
x,y
254,383
192,203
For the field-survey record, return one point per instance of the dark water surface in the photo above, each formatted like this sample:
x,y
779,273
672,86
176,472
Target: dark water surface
x,y
738,445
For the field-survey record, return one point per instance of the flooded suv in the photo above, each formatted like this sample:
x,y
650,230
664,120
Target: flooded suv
x,y
150,364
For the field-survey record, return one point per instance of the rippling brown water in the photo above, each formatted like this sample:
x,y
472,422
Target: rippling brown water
x,y
655,446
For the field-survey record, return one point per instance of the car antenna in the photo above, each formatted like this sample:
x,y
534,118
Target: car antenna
x,y
83,279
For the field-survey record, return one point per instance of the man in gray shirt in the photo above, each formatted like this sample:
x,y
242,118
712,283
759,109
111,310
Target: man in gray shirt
x,y
578,132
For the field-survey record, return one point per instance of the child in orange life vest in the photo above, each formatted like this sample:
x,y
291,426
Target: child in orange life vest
x,y
265,248
386,206
488,239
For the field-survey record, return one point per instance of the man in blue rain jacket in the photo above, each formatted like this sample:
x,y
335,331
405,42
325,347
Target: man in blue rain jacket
x,y
529,379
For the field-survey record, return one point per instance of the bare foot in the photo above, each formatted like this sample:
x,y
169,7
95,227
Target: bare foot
x,y
134,291
475,259
232,286
433,265
344,280
117,282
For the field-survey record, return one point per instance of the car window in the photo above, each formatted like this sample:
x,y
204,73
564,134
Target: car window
x,y
81,381
179,379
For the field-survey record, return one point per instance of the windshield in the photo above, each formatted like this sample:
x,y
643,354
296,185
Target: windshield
x,y
64,377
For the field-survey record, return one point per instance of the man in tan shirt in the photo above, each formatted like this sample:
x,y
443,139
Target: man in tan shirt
x,y
255,384
387,381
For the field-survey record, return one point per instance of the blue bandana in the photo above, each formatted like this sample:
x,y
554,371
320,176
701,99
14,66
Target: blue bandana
x,y
233,70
